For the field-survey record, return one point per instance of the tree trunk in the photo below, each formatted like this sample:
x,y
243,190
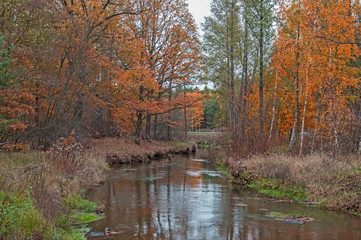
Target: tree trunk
x,y
261,117
243,90
169,129
138,127
79,109
155,126
296,120
317,120
148,126
274,106
305,105
333,116
185,116
232,66
139,115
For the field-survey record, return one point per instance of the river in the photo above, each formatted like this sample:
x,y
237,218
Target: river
x,y
187,198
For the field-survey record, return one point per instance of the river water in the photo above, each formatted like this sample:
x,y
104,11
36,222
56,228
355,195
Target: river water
x,y
186,198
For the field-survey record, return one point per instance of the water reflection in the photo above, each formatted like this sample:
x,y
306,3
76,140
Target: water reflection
x,y
185,198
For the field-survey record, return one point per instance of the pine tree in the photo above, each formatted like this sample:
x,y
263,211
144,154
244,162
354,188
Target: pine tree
x,y
6,75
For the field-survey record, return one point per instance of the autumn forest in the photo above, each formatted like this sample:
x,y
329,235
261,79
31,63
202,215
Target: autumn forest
x,y
289,72
274,85
282,73
100,68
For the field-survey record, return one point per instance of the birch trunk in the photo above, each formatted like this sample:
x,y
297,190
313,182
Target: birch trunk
x,y
296,120
334,130
317,120
274,107
305,106
261,53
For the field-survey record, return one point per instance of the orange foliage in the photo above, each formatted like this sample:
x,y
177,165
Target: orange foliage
x,y
321,36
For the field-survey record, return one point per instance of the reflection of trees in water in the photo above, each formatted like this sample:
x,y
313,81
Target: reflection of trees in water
x,y
162,200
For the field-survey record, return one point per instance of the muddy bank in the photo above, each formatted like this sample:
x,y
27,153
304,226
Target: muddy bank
x,y
119,151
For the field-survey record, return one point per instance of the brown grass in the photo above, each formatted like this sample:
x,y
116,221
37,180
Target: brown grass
x,y
210,138
50,176
123,146
335,182
123,150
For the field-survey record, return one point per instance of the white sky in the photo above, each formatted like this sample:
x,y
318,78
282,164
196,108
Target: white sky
x,y
199,9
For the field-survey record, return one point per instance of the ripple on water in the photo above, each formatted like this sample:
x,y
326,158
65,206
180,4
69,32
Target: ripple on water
x,y
193,173
213,173
200,160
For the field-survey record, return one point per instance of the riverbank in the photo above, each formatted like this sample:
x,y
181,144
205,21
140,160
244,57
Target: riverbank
x,y
42,194
329,182
119,151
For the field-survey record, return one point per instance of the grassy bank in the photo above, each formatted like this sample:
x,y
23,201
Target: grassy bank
x,y
42,193
124,150
330,182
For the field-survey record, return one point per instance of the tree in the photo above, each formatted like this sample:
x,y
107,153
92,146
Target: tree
x,y
315,56
260,18
237,42
14,103
171,50
222,35
78,57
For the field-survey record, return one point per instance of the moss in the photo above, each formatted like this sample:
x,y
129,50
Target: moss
x,y
77,203
82,218
278,189
82,212
224,169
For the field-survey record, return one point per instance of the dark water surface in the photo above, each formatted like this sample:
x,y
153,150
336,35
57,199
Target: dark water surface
x,y
186,198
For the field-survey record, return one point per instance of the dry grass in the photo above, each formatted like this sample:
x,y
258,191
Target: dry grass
x,y
49,177
123,150
335,182
123,146
205,138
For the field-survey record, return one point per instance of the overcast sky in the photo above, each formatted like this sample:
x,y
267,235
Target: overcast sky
x,y
199,9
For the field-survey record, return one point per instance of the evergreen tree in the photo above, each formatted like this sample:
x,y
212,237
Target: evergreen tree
x,y
6,75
